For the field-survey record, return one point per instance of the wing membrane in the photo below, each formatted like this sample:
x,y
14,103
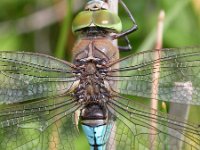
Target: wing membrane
x,y
179,71
46,124
139,127
27,76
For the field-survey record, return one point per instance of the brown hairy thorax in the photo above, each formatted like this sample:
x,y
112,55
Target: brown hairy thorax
x,y
92,58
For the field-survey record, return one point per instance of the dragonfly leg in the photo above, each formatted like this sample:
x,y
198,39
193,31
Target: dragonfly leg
x,y
127,47
132,29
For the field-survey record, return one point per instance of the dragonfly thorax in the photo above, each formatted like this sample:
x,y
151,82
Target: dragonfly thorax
x,y
90,69
91,89
91,58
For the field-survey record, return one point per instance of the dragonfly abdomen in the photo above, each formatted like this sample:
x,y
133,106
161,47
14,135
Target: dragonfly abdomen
x,y
94,122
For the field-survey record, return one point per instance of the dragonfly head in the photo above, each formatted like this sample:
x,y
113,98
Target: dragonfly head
x,y
96,14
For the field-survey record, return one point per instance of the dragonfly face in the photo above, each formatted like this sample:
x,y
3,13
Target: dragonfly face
x,y
41,95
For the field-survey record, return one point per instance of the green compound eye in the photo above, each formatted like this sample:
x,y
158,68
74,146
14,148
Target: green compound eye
x,y
99,18
82,20
106,19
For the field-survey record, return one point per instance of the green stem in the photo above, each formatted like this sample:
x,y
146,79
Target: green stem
x,y
64,31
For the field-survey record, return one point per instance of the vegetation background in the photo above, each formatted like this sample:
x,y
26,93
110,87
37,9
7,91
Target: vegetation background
x,y
45,26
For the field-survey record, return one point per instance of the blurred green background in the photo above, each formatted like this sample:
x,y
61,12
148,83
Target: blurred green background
x,y
45,26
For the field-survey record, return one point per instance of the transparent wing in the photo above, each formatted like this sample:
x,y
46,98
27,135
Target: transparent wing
x,y
28,76
139,127
177,71
44,124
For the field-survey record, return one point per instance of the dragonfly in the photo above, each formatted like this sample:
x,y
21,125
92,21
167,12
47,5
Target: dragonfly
x,y
46,102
